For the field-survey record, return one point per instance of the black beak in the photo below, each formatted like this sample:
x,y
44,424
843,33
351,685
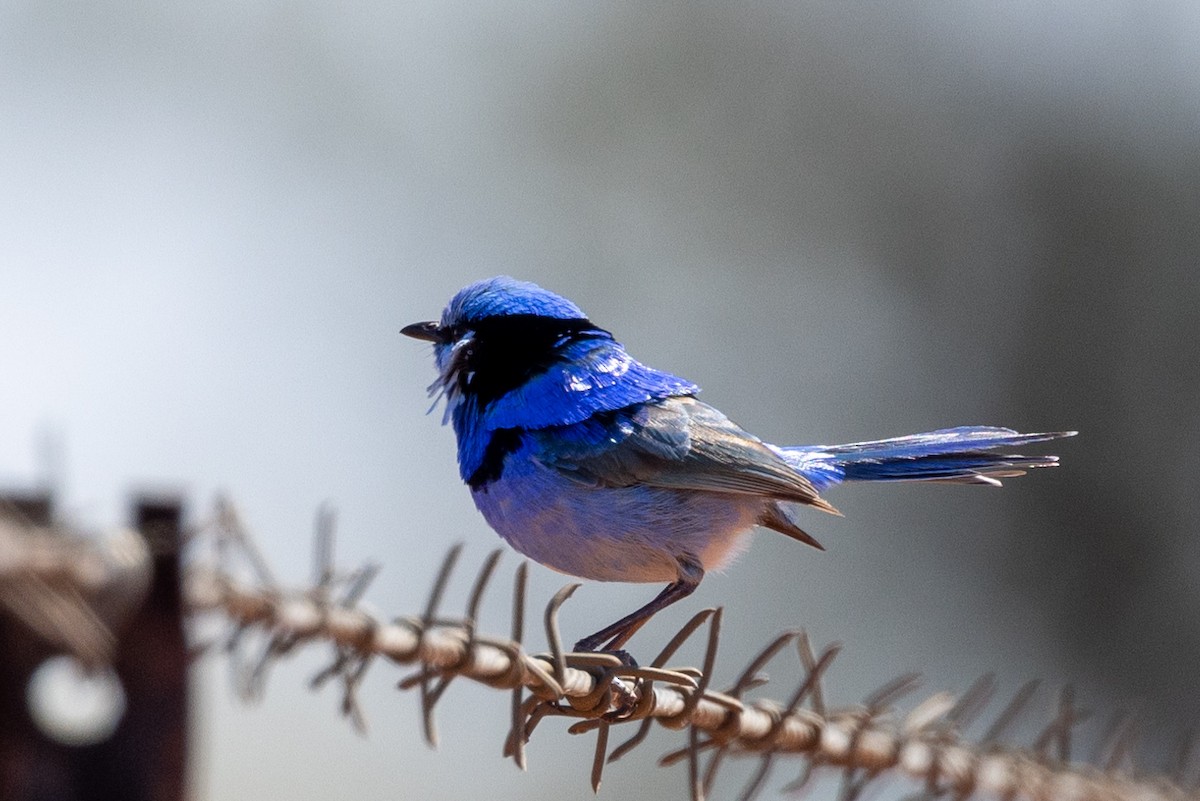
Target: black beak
x,y
427,331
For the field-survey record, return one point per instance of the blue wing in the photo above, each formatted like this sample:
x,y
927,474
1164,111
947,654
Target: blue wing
x,y
589,377
592,379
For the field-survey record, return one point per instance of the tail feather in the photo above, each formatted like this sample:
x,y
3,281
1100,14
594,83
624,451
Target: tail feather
x,y
960,455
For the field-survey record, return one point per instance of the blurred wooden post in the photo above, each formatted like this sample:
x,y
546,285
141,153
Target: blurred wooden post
x,y
30,765
145,758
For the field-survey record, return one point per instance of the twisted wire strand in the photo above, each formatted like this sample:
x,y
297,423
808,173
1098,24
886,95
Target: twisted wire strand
x,y
865,743
860,738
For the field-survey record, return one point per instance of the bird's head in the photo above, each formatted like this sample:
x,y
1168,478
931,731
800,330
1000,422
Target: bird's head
x,y
496,334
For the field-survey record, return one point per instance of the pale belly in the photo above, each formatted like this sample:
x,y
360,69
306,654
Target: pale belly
x,y
632,534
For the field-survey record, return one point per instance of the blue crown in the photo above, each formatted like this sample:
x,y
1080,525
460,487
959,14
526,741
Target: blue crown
x,y
504,296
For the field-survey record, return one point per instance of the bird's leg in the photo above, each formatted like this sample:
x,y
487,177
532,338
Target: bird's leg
x,y
611,638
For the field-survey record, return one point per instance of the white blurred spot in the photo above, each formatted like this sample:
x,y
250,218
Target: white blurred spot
x,y
73,706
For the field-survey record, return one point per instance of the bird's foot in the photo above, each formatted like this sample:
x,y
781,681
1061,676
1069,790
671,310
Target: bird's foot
x,y
586,647
622,698
626,658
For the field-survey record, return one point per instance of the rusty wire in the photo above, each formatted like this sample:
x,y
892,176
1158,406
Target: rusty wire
x,y
864,743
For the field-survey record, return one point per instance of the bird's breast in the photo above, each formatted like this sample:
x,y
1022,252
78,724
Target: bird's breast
x,y
634,534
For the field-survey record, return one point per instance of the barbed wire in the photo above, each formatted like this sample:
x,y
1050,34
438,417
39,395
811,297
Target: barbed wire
x,y
865,743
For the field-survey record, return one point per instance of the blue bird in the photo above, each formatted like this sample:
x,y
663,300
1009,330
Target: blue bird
x,y
593,464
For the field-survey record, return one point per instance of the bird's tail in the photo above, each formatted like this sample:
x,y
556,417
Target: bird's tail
x,y
963,455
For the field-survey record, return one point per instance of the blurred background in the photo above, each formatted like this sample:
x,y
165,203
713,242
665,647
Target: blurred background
x,y
844,223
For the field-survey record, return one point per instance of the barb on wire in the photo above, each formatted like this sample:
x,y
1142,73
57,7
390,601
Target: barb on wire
x,y
77,592
861,743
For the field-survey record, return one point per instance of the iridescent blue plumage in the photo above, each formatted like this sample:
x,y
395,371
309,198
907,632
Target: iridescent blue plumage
x,y
566,371
952,455
596,465
503,296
